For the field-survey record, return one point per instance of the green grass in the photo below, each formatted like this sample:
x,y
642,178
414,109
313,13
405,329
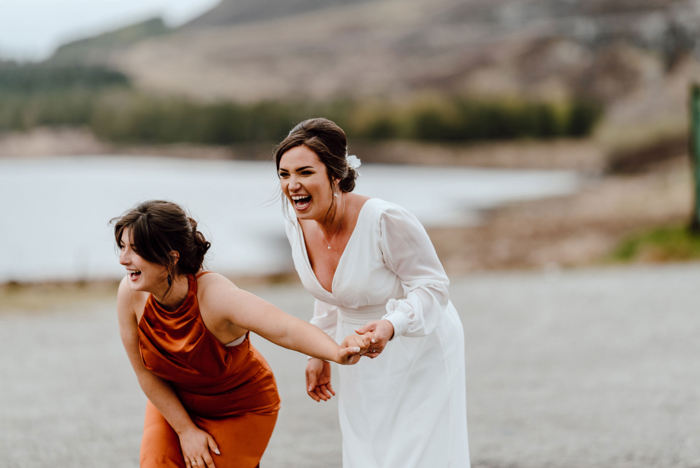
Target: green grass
x,y
103,100
35,95
32,79
666,244
134,117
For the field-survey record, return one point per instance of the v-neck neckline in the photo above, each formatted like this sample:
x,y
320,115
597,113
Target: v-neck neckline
x,y
342,256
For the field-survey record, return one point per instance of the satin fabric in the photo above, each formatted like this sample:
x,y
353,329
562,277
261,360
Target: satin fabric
x,y
229,392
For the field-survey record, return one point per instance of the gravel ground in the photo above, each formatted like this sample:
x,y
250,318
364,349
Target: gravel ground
x,y
582,368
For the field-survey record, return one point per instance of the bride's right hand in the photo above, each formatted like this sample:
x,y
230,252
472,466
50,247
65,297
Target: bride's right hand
x,y
318,380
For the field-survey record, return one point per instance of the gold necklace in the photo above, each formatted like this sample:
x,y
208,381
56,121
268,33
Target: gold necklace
x,y
340,224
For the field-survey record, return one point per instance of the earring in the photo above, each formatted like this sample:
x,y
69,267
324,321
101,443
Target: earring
x,y
170,280
335,194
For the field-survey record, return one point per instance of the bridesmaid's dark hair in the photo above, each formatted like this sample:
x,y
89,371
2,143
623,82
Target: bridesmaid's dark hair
x,y
159,227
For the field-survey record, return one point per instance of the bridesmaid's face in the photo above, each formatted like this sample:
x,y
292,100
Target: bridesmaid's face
x,y
142,274
304,181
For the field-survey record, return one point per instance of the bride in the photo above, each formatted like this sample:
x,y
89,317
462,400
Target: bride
x,y
373,270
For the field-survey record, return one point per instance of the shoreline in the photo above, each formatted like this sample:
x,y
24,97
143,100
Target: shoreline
x,y
549,234
571,231
568,231
582,155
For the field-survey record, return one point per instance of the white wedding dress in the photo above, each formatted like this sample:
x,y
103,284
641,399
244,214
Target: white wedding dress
x,y
407,407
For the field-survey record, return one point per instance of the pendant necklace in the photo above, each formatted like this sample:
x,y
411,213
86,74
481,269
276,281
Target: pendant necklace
x,y
340,224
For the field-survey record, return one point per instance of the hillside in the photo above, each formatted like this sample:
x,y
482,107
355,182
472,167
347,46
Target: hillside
x,y
637,57
99,49
230,12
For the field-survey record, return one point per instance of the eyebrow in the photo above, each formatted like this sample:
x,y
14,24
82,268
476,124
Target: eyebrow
x,y
298,169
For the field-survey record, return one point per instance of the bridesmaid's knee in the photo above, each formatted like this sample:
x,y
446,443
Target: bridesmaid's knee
x,y
160,446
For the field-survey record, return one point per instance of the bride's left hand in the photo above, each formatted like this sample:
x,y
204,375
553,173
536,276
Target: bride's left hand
x,y
380,332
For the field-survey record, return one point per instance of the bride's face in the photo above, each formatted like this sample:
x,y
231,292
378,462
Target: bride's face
x,y
305,183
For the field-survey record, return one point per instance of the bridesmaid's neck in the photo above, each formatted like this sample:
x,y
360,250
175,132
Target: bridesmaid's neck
x,y
172,298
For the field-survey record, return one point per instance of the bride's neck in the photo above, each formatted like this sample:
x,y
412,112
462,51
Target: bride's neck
x,y
334,225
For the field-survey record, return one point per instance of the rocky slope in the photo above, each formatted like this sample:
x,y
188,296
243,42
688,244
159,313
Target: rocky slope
x,y
637,57
99,50
230,12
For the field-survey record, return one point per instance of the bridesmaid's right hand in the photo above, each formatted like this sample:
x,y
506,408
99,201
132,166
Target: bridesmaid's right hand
x,y
195,445
318,379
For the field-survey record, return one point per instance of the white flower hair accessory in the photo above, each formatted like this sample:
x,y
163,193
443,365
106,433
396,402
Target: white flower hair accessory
x,y
353,161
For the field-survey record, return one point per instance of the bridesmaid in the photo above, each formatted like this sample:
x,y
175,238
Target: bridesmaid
x,y
212,398
373,269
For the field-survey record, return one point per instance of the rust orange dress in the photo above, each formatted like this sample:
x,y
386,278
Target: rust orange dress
x,y
228,391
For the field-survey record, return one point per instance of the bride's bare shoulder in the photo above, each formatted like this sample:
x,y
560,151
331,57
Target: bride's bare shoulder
x,y
358,198
357,201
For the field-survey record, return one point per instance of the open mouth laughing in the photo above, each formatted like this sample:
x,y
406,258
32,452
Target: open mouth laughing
x,y
134,274
301,202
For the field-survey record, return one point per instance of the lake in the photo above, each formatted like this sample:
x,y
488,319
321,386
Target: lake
x,y
56,211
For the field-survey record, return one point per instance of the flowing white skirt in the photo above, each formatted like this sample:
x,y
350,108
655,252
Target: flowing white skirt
x,y
407,407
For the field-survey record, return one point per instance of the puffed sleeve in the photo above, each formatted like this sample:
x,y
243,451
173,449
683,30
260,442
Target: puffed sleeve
x,y
325,317
410,254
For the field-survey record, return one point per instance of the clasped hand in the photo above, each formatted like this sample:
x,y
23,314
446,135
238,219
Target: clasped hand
x,y
353,348
379,333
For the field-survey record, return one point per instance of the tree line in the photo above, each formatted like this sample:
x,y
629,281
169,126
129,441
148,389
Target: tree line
x,y
104,100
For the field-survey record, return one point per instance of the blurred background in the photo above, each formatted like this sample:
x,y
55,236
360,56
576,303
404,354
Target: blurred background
x,y
543,143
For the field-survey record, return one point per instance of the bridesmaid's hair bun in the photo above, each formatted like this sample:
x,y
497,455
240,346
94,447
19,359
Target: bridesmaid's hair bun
x,y
328,141
201,245
160,227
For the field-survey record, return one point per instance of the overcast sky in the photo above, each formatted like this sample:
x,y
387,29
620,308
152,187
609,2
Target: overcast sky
x,y
32,29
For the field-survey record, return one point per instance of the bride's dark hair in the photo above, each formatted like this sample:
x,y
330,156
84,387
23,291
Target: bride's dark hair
x,y
328,141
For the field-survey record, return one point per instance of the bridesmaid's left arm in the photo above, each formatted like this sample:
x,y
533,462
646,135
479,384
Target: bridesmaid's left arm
x,y
223,300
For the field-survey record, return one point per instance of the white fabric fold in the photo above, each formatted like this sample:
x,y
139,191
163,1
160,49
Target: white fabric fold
x,y
410,254
407,407
325,317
